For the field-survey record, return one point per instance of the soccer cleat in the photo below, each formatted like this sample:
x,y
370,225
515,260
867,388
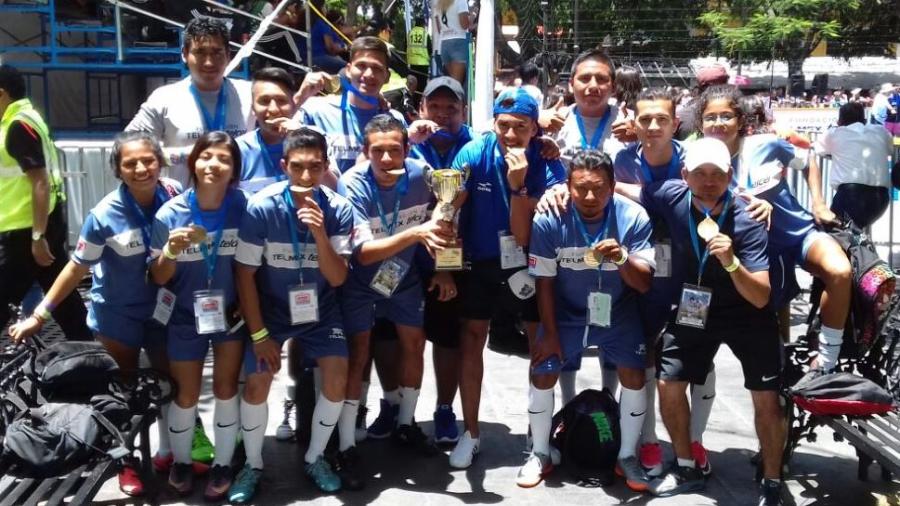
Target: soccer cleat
x,y
129,480
635,476
218,484
384,425
411,436
678,480
202,450
533,471
162,463
650,455
770,493
361,432
285,432
464,452
347,466
321,474
244,486
181,478
698,452
445,429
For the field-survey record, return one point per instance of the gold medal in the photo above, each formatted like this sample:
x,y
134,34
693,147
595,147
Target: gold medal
x,y
591,259
333,84
300,190
198,234
397,172
707,229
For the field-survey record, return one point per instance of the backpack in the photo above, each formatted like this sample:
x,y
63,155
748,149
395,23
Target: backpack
x,y
587,434
70,371
839,394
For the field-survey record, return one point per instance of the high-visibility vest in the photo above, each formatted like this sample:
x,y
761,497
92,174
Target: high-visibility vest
x,y
417,47
15,186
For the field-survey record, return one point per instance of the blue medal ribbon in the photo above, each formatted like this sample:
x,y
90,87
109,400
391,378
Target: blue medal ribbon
x,y
292,226
212,123
347,108
589,241
443,162
673,170
159,198
692,228
598,133
209,257
402,188
266,157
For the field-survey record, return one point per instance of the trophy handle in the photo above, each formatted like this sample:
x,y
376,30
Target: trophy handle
x,y
428,176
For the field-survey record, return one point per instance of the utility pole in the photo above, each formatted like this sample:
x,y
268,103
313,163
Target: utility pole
x,y
545,74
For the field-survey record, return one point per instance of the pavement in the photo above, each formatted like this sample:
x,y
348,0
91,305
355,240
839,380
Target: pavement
x,y
821,473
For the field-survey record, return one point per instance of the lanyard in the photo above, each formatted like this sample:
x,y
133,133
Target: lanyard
x,y
138,214
692,228
443,162
209,257
598,133
292,227
266,159
212,123
671,171
346,107
589,241
402,188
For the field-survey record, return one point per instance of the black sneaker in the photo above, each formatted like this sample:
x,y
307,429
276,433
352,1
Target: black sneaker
x,y
181,478
347,466
678,480
770,493
411,436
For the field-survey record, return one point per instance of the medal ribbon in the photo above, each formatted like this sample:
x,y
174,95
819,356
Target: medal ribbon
x,y
138,215
292,226
209,257
692,227
672,172
347,108
402,188
598,133
443,162
212,123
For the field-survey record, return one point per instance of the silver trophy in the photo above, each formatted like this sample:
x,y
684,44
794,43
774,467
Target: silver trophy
x,y
446,184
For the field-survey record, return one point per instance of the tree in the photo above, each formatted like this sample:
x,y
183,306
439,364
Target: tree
x,y
790,30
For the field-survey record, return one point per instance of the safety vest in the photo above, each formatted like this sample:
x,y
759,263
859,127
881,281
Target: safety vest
x,y
417,47
15,187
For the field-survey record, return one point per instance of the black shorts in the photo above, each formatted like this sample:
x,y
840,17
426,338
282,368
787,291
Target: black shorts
x,y
484,290
442,323
687,353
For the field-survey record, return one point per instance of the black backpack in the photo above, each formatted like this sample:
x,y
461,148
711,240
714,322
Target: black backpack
x,y
586,431
69,371
839,394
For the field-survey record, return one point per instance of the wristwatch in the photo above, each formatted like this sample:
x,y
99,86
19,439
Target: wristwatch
x,y
36,236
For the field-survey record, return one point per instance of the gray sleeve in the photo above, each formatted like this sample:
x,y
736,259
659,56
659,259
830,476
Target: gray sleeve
x,y
149,118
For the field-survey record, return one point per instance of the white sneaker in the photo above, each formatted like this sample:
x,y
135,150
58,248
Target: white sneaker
x,y
464,451
532,472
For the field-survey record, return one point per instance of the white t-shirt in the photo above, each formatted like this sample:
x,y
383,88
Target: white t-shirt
x,y
535,93
449,20
569,136
859,154
172,114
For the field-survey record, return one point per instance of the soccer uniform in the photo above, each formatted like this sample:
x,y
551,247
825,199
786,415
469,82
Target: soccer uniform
x,y
192,270
427,152
260,162
557,251
751,333
485,215
178,117
343,126
115,243
266,242
571,138
375,212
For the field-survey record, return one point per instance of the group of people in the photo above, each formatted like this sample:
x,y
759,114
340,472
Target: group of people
x,y
288,216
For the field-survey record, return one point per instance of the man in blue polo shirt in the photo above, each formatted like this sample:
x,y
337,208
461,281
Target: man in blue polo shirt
x,y
590,263
292,255
721,252
507,174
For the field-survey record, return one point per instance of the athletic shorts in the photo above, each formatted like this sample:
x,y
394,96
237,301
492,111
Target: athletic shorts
x,y
442,322
360,303
455,50
620,347
185,344
483,290
317,340
135,333
687,353
574,363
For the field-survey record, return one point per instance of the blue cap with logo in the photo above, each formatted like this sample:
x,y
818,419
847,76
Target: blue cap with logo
x,y
516,101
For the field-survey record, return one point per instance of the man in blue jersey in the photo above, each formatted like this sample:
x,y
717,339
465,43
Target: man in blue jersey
x,y
391,218
721,253
590,263
292,255
507,176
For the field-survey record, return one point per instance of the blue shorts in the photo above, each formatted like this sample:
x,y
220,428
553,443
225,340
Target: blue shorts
x,y
455,50
319,339
655,306
133,332
574,363
185,344
624,347
359,303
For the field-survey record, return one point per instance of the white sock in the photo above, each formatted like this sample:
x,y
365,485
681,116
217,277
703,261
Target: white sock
x,y
226,423
409,396
702,398
633,408
347,424
317,381
686,462
254,418
610,378
829,347
648,432
567,386
181,431
540,416
324,418
364,393
162,426
392,396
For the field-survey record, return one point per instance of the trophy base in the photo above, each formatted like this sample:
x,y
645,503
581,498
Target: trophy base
x,y
449,259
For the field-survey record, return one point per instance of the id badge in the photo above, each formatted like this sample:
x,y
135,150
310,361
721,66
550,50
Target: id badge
x,y
599,309
663,255
693,307
304,303
165,303
511,254
209,311
389,275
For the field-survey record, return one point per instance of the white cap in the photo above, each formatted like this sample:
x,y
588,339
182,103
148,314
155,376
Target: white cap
x,y
707,150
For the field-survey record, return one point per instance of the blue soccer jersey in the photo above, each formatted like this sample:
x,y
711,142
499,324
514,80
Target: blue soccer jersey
x,y
427,152
266,243
115,242
191,272
557,250
631,167
342,126
260,162
486,211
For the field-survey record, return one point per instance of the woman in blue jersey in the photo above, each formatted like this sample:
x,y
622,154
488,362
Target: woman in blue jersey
x,y
114,243
192,249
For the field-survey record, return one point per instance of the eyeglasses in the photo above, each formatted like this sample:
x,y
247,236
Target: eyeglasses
x,y
724,117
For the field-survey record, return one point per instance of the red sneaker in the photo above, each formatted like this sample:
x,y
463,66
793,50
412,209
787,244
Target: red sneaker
x,y
650,455
161,464
129,481
700,457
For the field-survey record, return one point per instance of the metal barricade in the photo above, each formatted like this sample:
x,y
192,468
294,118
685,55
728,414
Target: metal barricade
x,y
88,178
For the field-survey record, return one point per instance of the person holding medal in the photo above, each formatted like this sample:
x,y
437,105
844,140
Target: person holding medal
x,y
115,244
292,256
179,113
391,218
591,262
719,253
193,243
